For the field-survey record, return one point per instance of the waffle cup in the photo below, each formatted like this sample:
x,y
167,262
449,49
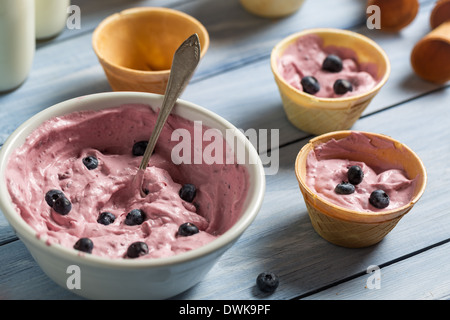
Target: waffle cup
x,y
430,56
321,115
354,229
136,46
271,8
440,13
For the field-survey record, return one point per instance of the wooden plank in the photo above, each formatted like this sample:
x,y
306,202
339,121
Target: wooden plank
x,y
24,279
6,232
421,277
92,12
282,240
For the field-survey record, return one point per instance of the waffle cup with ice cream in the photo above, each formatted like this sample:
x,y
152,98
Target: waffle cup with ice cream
x,y
356,229
319,115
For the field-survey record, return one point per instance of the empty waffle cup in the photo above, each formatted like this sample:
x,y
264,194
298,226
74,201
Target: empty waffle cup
x,y
321,115
350,228
431,55
136,46
440,13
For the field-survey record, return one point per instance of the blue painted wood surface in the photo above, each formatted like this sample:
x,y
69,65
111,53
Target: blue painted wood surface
x,y
235,81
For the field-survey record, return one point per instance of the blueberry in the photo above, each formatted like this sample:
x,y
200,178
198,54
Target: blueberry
x,y
344,188
58,201
332,63
52,195
379,199
137,249
187,229
135,217
139,148
90,162
355,175
106,218
310,85
267,282
188,192
84,245
342,86
62,205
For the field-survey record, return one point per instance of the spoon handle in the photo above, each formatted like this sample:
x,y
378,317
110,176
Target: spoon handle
x,y
185,60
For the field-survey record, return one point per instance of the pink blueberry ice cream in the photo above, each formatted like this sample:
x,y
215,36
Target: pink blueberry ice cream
x,y
308,64
325,171
60,155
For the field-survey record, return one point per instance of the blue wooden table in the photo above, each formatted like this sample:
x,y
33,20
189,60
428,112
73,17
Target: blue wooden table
x,y
234,80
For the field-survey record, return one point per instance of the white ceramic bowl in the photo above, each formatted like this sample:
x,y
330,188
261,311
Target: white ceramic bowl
x,y
103,278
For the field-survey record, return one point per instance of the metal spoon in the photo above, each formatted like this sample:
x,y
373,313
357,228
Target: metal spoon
x,y
185,60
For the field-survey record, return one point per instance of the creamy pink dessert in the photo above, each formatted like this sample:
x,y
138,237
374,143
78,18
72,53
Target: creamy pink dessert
x,y
54,158
325,171
305,59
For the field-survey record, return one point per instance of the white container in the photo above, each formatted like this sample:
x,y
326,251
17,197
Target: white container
x,y
51,17
159,278
17,42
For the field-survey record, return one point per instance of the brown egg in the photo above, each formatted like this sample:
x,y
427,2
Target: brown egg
x,y
395,14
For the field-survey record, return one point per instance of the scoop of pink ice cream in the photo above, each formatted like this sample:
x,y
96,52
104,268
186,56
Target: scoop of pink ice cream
x,y
324,171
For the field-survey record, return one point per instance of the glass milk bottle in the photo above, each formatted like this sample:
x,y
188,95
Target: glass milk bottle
x,y
17,42
51,17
